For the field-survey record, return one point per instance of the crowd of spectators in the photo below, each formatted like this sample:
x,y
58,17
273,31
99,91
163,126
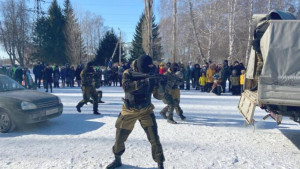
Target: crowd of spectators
x,y
204,77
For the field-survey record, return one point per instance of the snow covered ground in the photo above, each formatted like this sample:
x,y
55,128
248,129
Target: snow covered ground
x,y
213,136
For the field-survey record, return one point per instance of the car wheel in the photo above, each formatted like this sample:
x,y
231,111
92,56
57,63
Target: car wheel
x,y
6,123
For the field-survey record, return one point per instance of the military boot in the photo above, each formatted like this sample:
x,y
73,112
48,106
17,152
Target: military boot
x,y
163,114
170,118
116,163
182,117
78,108
172,121
160,166
96,113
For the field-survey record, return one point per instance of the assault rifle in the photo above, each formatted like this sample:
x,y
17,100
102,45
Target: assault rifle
x,y
141,76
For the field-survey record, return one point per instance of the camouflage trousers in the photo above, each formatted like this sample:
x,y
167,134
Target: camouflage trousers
x,y
170,109
89,92
172,100
125,124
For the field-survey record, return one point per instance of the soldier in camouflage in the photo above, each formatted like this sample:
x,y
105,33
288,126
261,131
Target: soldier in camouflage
x,y
172,94
137,106
88,88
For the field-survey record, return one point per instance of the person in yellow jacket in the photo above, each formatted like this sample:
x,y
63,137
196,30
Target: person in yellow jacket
x,y
202,82
210,77
242,80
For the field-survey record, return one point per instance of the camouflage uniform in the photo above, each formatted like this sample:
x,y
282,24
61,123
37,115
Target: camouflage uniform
x,y
137,107
172,96
88,89
97,76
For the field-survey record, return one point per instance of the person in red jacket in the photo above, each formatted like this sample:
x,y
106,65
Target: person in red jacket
x,y
162,68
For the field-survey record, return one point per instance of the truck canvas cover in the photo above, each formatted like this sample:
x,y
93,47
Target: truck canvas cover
x,y
279,82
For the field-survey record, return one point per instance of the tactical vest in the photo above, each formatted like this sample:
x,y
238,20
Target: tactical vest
x,y
87,77
140,98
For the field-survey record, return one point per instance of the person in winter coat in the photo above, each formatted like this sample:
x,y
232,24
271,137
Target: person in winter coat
x,y
38,74
225,74
195,76
71,75
105,73
19,75
67,75
210,77
242,80
162,68
56,76
77,75
63,76
235,83
187,77
48,78
202,82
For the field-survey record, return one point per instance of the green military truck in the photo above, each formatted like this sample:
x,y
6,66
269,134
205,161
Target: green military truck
x,y
272,79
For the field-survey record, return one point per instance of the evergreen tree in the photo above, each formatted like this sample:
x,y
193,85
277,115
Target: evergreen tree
x,y
137,43
74,43
58,40
106,49
157,47
41,39
49,37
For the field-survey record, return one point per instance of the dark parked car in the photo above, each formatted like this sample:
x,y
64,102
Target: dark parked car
x,y
19,105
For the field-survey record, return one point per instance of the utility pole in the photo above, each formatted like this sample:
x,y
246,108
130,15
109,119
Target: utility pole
x,y
120,47
174,30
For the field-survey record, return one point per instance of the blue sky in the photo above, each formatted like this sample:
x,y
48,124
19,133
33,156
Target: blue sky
x,y
116,13
123,14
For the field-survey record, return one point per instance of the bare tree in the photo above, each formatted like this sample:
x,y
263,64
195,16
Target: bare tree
x,y
14,30
174,30
92,29
147,28
194,30
231,20
249,29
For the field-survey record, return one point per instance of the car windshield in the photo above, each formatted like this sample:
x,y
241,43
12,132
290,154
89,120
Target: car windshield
x,y
8,84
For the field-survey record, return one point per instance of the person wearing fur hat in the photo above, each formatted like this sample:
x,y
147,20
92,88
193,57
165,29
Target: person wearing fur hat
x,y
138,107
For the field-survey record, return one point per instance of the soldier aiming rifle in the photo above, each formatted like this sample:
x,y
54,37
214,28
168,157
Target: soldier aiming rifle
x,y
138,90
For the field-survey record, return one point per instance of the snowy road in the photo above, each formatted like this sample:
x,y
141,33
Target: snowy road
x,y
213,136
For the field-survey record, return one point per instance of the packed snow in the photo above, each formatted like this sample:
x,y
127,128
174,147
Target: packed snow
x,y
213,136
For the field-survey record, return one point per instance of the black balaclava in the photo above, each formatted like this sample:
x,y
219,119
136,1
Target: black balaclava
x,y
174,67
89,66
143,63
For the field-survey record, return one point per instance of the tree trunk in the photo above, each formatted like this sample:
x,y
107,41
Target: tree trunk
x,y
148,42
231,17
210,32
195,32
174,30
249,32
